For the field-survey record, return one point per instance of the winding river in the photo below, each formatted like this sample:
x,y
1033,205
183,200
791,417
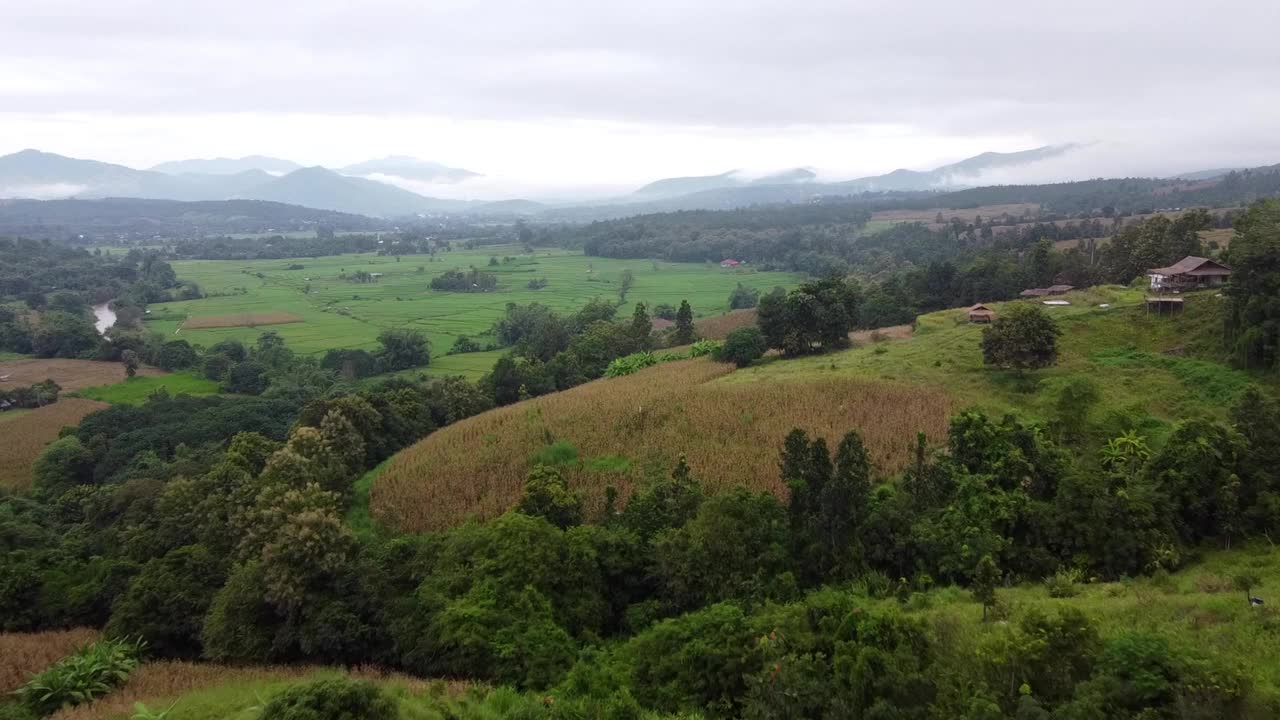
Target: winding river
x,y
104,317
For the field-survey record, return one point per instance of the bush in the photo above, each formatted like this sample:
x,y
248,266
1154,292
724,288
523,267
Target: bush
x,y
94,671
704,347
743,347
1063,583
166,603
630,363
337,699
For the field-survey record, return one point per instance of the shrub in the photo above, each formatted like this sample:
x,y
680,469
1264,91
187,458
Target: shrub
x,y
337,699
630,363
704,347
90,673
1062,584
743,347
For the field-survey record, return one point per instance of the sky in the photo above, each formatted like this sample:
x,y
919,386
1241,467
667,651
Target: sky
x,y
563,95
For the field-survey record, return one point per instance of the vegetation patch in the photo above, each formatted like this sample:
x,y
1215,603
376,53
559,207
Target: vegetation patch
x,y
25,654
729,433
252,319
26,435
136,390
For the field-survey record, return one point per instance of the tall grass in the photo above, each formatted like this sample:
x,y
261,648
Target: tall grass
x,y
89,673
25,654
729,432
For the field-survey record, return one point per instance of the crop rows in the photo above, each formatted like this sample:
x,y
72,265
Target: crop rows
x,y
23,437
629,429
25,654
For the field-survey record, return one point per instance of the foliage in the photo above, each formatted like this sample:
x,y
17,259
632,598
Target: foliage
x,y
547,495
1023,337
743,297
1253,319
336,699
742,347
704,347
815,316
684,332
630,364
472,280
89,673
402,349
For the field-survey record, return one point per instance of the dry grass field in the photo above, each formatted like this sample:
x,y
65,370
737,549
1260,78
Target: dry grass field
x,y
25,654
23,436
158,684
71,375
240,320
631,428
718,327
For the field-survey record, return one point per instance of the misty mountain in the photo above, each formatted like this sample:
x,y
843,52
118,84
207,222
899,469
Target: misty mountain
x,y
228,166
678,186
148,218
966,173
409,169
323,188
1205,174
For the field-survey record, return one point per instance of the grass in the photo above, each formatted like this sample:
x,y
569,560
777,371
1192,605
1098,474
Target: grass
x,y
25,654
197,691
359,519
26,435
1151,372
621,432
71,375
337,313
136,390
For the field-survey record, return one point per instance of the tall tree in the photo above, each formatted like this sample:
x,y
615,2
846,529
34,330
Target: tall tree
x,y
684,324
1023,337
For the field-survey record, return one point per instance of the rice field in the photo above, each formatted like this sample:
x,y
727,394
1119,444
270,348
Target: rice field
x,y
337,313
249,320
25,654
629,429
71,375
135,391
24,435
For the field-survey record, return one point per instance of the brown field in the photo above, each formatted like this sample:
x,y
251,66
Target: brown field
x,y
718,327
730,433
966,214
240,320
72,375
25,654
159,683
24,435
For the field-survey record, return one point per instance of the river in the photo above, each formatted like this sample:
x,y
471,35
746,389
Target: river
x,y
104,316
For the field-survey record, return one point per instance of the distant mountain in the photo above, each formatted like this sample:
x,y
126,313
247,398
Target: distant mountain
x,y
322,188
32,173
966,173
114,217
787,177
409,169
1205,174
228,166
671,187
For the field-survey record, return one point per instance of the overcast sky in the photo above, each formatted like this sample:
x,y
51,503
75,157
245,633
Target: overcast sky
x,y
560,93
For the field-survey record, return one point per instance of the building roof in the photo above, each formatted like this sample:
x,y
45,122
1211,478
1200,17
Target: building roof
x,y
1061,288
1192,265
1034,292
980,306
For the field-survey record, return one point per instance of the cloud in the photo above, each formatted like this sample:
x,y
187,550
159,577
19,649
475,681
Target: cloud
x,y
772,72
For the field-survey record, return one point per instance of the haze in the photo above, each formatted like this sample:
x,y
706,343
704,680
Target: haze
x,y
579,97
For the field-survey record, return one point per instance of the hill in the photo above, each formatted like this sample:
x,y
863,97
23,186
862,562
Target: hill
x,y
147,218
730,423
320,187
410,169
228,166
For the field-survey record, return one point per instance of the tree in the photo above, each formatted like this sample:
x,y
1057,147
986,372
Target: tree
x,y
403,349
1253,315
985,579
641,327
176,355
130,360
684,324
625,281
816,316
666,311
246,378
547,495
743,347
1023,337
743,297
63,335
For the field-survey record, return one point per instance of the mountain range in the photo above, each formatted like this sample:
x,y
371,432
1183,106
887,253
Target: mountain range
x,y
370,188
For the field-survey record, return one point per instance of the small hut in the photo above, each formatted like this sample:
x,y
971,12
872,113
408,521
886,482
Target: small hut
x,y
1034,292
981,314
1164,305
1060,289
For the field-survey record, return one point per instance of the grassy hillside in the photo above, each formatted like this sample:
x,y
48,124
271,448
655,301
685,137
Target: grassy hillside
x,y
731,424
338,313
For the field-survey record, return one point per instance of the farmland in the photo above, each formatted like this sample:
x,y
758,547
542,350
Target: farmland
x,y
891,385
620,432
339,313
134,391
71,375
248,320
27,433
23,654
